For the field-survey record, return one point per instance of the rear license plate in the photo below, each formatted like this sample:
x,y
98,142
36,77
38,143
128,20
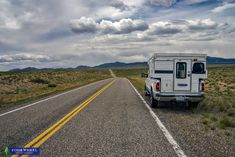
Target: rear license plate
x,y
180,98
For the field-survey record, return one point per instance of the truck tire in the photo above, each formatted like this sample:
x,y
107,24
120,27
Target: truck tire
x,y
153,102
193,104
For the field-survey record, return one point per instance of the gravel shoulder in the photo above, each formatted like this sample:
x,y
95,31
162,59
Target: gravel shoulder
x,y
193,137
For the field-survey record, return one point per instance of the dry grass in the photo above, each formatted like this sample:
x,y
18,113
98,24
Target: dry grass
x,y
219,99
16,87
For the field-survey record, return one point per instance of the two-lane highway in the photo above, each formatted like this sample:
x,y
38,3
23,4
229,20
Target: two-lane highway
x,y
20,126
111,121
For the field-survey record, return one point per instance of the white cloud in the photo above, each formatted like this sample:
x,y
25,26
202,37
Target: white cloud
x,y
83,25
114,13
133,58
12,20
224,7
124,26
194,1
24,57
119,5
162,2
203,24
168,28
162,27
12,24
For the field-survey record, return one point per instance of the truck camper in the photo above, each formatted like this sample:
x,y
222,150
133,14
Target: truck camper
x,y
177,77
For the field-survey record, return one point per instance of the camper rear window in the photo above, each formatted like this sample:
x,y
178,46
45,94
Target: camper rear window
x,y
198,68
181,70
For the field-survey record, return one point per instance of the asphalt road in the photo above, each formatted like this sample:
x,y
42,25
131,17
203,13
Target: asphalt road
x,y
115,123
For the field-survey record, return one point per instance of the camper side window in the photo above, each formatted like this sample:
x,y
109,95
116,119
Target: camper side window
x,y
198,68
181,70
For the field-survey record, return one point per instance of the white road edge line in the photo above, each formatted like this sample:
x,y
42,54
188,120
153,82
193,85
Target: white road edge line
x,y
167,134
26,106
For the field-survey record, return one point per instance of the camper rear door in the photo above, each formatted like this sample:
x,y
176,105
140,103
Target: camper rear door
x,y
182,75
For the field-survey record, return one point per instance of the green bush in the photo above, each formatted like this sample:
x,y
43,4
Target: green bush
x,y
213,118
39,80
225,122
205,121
231,113
52,85
227,133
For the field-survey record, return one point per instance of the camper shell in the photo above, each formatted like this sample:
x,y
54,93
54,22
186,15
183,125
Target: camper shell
x,y
176,77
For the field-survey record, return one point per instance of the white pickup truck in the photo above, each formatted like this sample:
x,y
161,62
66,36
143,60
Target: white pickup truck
x,y
176,77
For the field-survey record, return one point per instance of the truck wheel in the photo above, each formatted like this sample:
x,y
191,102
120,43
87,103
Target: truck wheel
x,y
153,102
193,104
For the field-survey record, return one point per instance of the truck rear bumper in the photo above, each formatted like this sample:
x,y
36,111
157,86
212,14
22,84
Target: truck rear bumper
x,y
179,97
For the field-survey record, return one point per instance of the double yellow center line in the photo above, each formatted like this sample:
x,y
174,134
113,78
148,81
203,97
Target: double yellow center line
x,y
44,136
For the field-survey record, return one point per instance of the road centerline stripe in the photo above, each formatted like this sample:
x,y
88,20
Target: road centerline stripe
x,y
57,123
74,112
40,139
39,143
166,133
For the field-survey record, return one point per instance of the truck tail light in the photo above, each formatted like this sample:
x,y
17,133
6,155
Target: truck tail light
x,y
202,86
157,86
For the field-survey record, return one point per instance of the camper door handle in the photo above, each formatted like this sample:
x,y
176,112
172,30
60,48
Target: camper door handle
x,y
189,75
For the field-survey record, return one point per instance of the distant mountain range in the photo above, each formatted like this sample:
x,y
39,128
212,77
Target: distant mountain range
x,y
214,60
120,64
210,60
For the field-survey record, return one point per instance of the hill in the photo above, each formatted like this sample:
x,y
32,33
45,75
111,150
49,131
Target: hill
x,y
120,64
210,60
214,60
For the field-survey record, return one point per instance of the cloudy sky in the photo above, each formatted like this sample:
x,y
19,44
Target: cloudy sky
x,y
59,33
